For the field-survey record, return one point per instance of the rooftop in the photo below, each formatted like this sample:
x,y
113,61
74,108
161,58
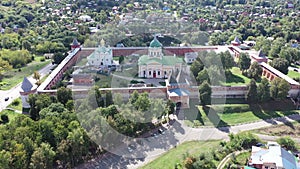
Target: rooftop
x,y
155,43
166,60
279,74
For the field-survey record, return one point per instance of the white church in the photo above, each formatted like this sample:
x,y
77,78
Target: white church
x,y
101,57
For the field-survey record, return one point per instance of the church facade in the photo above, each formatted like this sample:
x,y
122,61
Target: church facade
x,y
156,64
101,57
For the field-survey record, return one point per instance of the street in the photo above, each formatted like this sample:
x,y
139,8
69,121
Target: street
x,y
13,93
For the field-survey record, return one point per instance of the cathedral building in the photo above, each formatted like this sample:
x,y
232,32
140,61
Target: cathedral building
x,y
157,65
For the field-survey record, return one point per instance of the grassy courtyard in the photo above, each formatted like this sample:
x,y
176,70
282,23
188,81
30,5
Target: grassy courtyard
x,y
169,159
235,78
293,74
15,76
233,114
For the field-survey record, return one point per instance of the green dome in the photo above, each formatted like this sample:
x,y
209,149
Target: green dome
x,y
155,43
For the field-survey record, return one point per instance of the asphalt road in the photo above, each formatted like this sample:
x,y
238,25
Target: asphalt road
x,y
14,92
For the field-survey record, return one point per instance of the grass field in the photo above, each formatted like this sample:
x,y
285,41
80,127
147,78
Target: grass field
x,y
293,74
169,159
11,114
16,104
235,78
15,76
233,114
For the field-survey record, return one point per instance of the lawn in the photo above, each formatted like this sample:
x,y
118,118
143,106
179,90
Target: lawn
x,y
15,76
11,114
16,104
293,74
233,114
169,159
235,78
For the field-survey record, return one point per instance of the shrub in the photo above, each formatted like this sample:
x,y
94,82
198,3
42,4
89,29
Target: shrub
x,y
16,102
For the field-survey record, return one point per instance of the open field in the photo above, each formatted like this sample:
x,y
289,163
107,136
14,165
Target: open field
x,y
14,77
287,129
169,159
233,114
235,78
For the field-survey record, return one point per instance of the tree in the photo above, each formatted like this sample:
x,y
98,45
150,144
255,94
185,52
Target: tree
x,y
255,71
42,157
64,95
58,57
263,90
280,64
202,76
196,67
287,142
279,88
5,159
108,99
205,93
121,59
37,77
170,106
4,118
133,97
4,66
244,61
143,102
227,60
251,95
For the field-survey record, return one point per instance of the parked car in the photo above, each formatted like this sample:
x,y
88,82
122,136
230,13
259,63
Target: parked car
x,y
6,98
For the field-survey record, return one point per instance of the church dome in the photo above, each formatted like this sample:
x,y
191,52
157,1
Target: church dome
x,y
155,43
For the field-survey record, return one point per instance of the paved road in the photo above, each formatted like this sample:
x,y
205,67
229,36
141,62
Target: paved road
x,y
294,69
178,133
13,93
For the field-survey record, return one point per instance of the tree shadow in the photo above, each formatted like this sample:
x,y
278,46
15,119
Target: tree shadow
x,y
232,78
274,111
215,119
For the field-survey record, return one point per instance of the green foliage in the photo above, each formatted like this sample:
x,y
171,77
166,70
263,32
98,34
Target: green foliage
x,y
203,76
17,58
4,118
244,61
255,71
251,95
287,143
196,67
281,64
64,95
205,93
279,88
42,157
263,90
243,140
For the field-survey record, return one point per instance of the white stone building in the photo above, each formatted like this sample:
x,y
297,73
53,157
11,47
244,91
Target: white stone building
x,y
156,64
101,57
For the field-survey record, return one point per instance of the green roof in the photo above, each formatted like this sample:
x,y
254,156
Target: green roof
x,y
100,49
155,43
166,60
